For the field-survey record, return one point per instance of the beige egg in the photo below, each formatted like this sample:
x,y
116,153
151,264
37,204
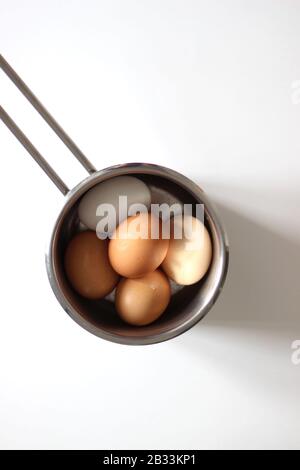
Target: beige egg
x,y
142,301
87,266
132,251
188,257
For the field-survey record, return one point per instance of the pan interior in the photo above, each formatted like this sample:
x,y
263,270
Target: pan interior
x,y
100,314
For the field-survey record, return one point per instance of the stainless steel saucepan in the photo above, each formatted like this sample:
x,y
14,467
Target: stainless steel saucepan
x,y
188,304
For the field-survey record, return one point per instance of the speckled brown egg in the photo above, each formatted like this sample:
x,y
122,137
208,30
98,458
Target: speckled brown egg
x,y
142,301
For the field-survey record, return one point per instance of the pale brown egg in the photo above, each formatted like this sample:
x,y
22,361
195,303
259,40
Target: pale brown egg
x,y
142,301
133,252
188,257
87,266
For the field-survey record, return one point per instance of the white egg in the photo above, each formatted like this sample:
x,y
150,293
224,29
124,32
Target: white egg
x,y
91,210
189,256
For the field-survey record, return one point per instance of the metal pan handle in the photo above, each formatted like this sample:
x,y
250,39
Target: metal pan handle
x,y
12,126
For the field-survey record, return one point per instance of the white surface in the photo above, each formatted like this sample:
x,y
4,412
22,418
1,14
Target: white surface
x,y
205,87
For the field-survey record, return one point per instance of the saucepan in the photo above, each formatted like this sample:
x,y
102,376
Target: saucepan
x,y
189,304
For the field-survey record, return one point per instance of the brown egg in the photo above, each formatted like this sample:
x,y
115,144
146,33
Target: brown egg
x,y
133,252
87,266
141,301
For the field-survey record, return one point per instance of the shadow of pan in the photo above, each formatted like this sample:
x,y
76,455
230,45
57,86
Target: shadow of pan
x,y
262,287
247,335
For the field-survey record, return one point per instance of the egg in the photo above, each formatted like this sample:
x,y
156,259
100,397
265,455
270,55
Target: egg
x,y
108,192
188,257
87,266
132,250
142,301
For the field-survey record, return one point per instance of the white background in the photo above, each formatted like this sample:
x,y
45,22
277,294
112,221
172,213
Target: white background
x,y
204,87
